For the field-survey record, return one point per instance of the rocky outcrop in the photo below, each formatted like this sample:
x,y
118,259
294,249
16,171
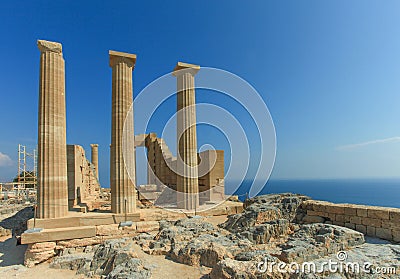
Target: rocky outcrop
x,y
266,232
262,209
114,259
314,241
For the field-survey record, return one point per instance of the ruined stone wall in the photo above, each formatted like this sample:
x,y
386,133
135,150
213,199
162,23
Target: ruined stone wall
x,y
163,164
381,222
83,186
211,184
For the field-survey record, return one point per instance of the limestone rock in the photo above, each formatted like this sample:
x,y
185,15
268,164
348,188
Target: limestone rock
x,y
264,232
314,241
230,269
262,209
132,268
287,203
39,252
5,232
73,261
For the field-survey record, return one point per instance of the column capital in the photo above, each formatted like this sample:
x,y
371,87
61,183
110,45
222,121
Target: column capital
x,y
47,46
122,57
94,145
182,68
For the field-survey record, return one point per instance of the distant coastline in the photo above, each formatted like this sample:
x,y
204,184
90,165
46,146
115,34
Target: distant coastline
x,y
375,191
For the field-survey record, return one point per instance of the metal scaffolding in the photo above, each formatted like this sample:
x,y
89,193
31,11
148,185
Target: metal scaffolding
x,y
26,161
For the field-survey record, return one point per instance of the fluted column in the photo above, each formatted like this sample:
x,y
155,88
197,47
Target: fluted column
x,y
52,154
95,158
187,177
122,156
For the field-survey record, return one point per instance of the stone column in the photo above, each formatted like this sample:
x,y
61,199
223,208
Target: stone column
x,y
52,155
187,177
122,151
95,158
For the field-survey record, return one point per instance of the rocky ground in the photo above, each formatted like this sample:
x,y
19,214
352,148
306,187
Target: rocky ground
x,y
262,242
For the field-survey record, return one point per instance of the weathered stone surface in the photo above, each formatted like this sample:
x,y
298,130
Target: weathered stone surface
x,y
317,240
263,233
73,261
379,213
349,210
80,242
39,252
147,226
261,209
5,232
286,203
229,269
361,229
206,250
313,219
395,215
49,46
383,233
112,259
335,208
373,222
131,268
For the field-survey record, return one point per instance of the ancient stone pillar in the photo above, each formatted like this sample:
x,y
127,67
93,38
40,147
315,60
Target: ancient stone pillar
x,y
187,177
122,151
52,155
95,158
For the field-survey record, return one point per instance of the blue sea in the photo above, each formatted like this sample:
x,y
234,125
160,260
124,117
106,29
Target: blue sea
x,y
380,192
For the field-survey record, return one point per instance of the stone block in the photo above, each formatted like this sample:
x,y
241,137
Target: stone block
x,y
361,228
313,219
147,226
362,212
108,230
382,214
39,252
396,235
350,226
335,208
319,207
308,205
371,231
387,224
394,215
352,211
377,223
384,233
314,213
340,218
355,220
58,234
80,242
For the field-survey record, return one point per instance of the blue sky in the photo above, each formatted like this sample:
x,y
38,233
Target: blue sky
x,y
328,71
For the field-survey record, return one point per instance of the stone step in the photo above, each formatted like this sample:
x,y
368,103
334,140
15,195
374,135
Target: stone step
x,y
47,235
83,219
